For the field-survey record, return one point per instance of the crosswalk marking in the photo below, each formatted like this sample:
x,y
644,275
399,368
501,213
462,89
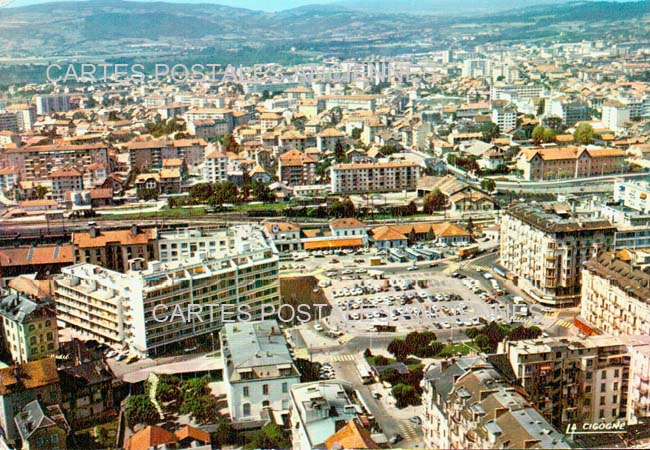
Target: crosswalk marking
x,y
344,357
346,338
451,268
477,267
407,430
564,324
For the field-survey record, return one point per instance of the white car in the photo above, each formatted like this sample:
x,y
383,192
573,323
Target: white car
x,y
318,327
446,325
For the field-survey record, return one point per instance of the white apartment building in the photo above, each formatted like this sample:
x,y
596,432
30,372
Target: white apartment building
x,y
214,114
173,303
349,102
569,110
505,117
374,177
616,293
633,193
318,410
502,91
638,401
615,114
544,246
285,236
26,115
215,167
476,68
576,380
53,103
258,372
190,243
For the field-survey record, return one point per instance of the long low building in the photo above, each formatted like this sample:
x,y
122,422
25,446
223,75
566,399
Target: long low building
x,y
570,162
156,306
374,177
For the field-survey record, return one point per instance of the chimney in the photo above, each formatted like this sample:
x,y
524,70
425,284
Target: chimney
x,y
498,412
134,229
94,231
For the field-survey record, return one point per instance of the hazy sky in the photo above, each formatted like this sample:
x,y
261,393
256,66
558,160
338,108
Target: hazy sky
x,y
267,5
263,5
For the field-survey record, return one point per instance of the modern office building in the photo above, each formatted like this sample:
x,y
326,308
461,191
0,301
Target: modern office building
x,y
544,245
258,372
156,306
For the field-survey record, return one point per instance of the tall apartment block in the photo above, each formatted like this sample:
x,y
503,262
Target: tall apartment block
x,y
374,177
544,245
572,380
616,293
149,306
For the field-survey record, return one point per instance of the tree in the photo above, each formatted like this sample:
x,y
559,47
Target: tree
x,y
488,184
224,192
339,151
262,192
270,436
356,133
549,135
140,410
584,134
40,192
367,353
434,201
224,433
405,395
490,130
538,134
201,192
411,208
399,349
148,194
309,371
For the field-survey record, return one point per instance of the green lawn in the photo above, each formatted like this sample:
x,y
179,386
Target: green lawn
x,y
453,349
165,212
97,437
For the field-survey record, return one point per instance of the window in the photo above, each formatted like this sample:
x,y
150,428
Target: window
x,y
602,414
615,412
602,387
246,392
616,372
602,401
266,404
246,408
54,438
615,399
588,376
616,386
285,388
603,374
265,389
587,389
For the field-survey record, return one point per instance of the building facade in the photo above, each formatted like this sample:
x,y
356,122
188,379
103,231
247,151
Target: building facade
x,y
258,371
147,307
573,380
28,327
544,246
374,177
616,293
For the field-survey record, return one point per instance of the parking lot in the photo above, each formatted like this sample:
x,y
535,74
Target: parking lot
x,y
441,301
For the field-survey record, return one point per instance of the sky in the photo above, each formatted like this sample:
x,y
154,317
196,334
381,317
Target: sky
x,y
262,5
